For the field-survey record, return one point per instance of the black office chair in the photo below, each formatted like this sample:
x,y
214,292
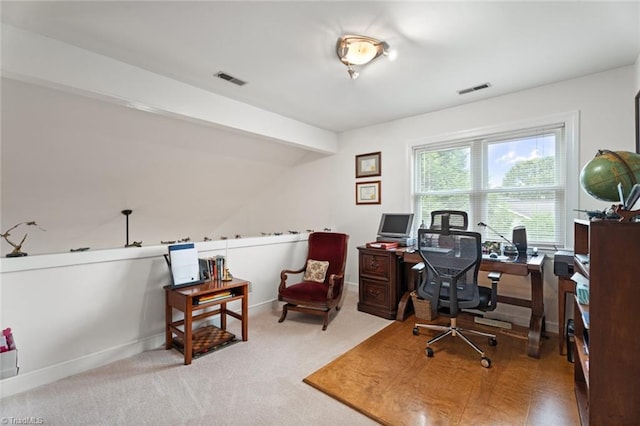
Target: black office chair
x,y
449,280
458,219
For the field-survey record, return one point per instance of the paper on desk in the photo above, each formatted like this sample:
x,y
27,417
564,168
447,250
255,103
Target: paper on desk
x,y
184,263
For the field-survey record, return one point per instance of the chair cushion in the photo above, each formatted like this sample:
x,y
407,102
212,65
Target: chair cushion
x,y
306,291
316,270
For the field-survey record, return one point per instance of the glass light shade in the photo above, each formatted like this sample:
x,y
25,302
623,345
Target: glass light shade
x,y
359,50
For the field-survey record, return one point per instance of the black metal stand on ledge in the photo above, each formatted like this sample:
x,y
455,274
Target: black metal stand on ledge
x,y
135,243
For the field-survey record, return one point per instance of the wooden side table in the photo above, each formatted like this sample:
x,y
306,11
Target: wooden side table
x,y
201,301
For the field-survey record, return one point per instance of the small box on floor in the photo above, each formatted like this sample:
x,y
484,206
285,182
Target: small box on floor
x,y
8,364
8,354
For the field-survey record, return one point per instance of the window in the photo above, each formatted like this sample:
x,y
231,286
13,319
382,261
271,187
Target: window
x,y
505,179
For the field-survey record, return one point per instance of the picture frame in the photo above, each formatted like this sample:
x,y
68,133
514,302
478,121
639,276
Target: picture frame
x,y
368,192
637,115
368,165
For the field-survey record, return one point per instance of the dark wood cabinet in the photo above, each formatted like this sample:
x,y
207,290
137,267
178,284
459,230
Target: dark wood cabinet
x,y
607,345
380,282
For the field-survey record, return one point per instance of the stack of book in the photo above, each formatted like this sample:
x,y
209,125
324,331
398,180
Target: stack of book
x,y
212,297
216,266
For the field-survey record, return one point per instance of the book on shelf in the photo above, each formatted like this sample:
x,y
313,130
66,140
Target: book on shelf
x,y
215,266
633,197
213,297
585,319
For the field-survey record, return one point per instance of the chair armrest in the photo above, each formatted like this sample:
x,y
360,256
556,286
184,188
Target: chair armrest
x,y
283,276
494,276
418,267
332,282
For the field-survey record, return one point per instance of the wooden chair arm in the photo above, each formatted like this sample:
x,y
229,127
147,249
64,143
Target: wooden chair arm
x,y
332,282
283,276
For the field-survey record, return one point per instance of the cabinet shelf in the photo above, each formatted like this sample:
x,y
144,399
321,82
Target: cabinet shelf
x,y
606,346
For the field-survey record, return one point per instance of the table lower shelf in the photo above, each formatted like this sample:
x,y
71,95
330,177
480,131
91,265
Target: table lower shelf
x,y
206,340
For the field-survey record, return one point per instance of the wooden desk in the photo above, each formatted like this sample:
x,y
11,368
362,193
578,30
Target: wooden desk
x,y
186,300
532,266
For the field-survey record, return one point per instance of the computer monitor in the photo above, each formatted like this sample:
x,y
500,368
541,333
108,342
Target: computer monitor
x,y
395,225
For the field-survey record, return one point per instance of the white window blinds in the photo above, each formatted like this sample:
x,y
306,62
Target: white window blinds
x,y
504,179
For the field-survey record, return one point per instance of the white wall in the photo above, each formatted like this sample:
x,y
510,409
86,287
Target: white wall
x,y
637,68
604,102
71,312
72,164
100,158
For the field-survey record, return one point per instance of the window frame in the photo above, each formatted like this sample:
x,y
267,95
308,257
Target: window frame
x,y
570,123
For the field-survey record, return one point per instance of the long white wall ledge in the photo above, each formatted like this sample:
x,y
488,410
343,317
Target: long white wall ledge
x,y
58,260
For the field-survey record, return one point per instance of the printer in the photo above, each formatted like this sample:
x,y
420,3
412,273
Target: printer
x,y
563,263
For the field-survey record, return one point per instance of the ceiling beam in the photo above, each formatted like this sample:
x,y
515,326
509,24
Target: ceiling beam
x,y
36,59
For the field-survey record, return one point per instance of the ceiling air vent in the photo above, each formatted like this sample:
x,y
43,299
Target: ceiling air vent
x,y
474,89
229,78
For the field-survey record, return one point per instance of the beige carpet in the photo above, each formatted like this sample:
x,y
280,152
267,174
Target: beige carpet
x,y
258,382
389,379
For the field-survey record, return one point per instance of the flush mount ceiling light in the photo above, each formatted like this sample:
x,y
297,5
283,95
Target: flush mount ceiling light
x,y
359,50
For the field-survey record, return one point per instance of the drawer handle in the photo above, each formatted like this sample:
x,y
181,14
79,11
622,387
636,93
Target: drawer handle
x,y
374,293
374,264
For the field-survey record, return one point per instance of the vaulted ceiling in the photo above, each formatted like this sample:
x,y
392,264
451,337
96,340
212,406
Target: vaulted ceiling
x,y
285,51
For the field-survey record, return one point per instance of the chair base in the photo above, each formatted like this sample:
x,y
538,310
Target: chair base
x,y
455,331
307,310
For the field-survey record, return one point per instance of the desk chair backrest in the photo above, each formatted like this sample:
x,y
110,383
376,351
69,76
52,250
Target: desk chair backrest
x,y
452,260
458,219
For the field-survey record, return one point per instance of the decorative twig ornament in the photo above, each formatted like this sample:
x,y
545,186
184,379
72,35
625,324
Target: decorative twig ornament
x,y
17,248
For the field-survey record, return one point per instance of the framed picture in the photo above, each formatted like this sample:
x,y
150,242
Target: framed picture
x,y
368,165
368,192
638,123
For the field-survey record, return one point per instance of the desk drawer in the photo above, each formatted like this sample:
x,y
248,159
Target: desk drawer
x,y
374,293
374,265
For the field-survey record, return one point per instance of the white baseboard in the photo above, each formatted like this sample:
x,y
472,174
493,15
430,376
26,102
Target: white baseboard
x,y
24,382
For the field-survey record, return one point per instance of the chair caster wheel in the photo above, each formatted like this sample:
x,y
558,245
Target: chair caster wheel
x,y
429,352
486,362
415,331
493,341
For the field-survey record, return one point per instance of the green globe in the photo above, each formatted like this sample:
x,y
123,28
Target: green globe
x,y
600,176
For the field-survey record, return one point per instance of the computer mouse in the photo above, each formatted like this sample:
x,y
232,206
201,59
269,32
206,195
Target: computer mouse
x,y
493,256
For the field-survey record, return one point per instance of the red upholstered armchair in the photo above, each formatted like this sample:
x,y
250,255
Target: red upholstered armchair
x,y
320,288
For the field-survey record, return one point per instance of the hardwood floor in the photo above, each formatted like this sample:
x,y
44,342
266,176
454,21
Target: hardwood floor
x,y
389,378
